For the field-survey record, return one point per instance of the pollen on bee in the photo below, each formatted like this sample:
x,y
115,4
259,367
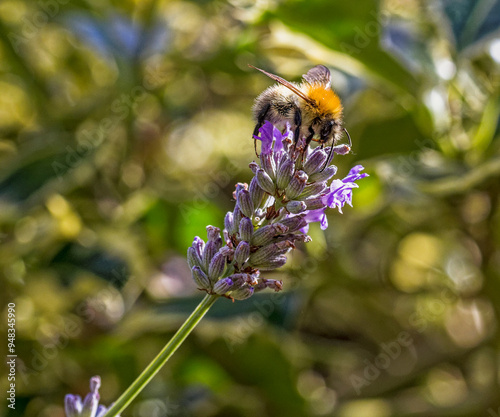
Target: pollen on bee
x,y
328,101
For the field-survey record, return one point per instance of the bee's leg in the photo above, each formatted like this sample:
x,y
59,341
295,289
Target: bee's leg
x,y
297,120
261,118
310,137
308,141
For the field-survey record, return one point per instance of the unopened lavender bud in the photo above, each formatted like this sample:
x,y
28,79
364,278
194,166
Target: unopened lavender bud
x,y
241,186
217,266
269,283
314,203
198,246
242,293
90,404
324,175
296,207
213,233
227,252
261,285
238,280
256,192
242,253
342,149
292,238
297,185
315,161
72,405
312,190
274,284
254,167
294,223
268,164
91,400
273,263
229,223
209,252
265,182
223,286
237,215
285,173
200,278
192,257
246,229
267,252
265,234
245,202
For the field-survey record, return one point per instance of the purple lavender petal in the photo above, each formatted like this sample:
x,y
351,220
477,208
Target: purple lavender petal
x,y
72,405
313,216
354,174
266,137
341,190
101,410
278,143
90,404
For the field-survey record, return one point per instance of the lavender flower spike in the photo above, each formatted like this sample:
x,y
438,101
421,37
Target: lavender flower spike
x,y
290,189
74,407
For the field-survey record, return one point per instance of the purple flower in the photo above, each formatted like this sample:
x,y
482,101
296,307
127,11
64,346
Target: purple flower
x,y
74,407
289,190
341,190
269,134
313,216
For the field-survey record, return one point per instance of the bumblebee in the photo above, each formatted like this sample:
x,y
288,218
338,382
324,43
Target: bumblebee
x,y
312,108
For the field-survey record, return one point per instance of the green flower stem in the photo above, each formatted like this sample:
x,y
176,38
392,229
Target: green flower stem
x,y
153,368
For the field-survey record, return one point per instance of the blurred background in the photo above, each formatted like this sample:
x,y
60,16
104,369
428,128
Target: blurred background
x,y
123,129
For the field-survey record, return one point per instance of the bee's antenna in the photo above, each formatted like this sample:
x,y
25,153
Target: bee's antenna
x,y
329,159
348,136
330,155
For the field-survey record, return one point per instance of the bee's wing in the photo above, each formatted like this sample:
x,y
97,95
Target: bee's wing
x,y
287,84
319,74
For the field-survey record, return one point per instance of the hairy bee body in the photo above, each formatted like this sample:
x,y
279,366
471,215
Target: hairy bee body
x,y
312,108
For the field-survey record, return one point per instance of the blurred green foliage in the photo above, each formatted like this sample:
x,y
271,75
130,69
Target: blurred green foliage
x,y
123,128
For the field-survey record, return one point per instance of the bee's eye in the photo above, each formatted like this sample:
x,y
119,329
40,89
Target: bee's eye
x,y
327,128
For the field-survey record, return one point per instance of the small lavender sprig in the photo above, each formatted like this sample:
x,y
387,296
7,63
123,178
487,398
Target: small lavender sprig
x,y
288,191
89,407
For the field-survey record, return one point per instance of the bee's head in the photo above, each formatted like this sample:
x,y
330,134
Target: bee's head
x,y
328,129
